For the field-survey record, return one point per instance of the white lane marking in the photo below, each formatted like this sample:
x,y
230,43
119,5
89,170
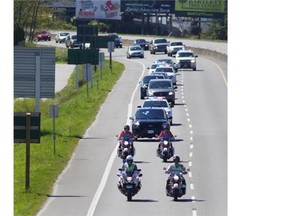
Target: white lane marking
x,y
190,154
194,212
191,186
191,146
104,178
190,163
188,119
221,71
190,174
190,126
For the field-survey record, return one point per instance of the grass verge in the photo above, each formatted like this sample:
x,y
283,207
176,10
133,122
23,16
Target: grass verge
x,y
77,110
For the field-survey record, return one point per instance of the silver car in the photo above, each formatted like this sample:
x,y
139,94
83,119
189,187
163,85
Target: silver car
x,y
61,37
135,51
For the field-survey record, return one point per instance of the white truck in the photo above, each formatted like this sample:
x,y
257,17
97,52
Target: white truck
x,y
185,59
173,47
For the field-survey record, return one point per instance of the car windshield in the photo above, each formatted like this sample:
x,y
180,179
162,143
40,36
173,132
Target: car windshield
x,y
186,54
161,41
135,48
160,85
150,114
74,37
164,69
140,41
63,34
176,44
148,78
155,104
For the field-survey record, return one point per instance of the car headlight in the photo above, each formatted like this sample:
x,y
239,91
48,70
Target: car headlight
x,y
170,93
150,93
193,61
137,123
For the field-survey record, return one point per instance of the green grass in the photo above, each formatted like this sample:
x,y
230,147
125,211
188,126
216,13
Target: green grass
x,y
76,113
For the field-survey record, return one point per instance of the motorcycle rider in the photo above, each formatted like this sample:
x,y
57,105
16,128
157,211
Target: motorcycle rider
x,y
165,133
175,167
126,133
129,167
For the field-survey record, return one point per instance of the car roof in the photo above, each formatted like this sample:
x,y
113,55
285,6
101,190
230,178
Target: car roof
x,y
161,80
185,51
155,99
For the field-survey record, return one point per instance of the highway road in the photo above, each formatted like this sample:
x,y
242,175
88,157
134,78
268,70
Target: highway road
x,y
88,185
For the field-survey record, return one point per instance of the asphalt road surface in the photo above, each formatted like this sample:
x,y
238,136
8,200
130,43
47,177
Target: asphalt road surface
x,y
88,185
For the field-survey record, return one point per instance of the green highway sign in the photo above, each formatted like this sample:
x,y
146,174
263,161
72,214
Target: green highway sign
x,y
85,33
21,126
83,56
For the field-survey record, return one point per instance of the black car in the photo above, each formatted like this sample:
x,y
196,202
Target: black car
x,y
148,122
117,40
142,42
144,84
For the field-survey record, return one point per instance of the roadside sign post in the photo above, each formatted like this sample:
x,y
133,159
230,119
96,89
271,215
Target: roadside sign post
x,y
110,50
27,130
28,127
54,112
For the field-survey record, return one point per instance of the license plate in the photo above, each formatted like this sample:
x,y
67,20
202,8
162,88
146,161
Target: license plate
x,y
150,131
129,186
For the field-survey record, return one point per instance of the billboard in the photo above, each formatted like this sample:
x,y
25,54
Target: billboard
x,y
148,6
200,8
98,9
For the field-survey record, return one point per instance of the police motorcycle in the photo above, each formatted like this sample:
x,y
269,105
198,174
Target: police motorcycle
x,y
176,187
129,183
127,148
166,150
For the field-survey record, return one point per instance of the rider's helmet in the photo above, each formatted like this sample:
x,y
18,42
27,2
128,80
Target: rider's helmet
x,y
166,127
129,159
176,159
126,128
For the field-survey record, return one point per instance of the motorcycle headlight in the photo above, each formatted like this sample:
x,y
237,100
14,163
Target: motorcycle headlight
x,y
176,178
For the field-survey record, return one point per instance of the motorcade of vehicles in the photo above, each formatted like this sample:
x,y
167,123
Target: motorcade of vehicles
x,y
185,59
160,102
162,88
153,67
158,45
61,37
166,150
117,40
145,81
42,35
142,42
134,51
126,148
173,47
129,183
177,186
169,71
166,62
148,122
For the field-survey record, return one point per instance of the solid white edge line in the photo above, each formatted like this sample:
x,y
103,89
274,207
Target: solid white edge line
x,y
104,178
221,71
